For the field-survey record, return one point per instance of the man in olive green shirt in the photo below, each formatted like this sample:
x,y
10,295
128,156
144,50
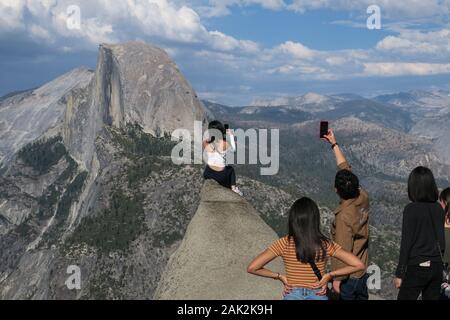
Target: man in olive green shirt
x,y
351,226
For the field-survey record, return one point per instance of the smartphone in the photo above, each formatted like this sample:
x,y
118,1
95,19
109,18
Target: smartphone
x,y
323,128
226,126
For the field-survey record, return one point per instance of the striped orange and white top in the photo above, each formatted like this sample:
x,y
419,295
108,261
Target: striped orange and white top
x,y
300,274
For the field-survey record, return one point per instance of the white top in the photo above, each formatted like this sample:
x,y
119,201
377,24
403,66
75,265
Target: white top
x,y
217,158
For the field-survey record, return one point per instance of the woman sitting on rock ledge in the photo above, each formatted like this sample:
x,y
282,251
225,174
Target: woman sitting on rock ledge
x,y
216,148
305,252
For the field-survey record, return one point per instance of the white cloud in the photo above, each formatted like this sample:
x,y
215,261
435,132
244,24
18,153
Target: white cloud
x,y
293,61
102,21
391,69
411,42
336,60
299,70
161,18
11,14
296,50
40,33
223,42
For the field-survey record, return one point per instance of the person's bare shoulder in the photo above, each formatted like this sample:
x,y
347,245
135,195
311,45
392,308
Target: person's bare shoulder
x,y
208,147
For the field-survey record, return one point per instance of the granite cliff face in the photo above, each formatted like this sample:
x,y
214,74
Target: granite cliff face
x,y
27,116
142,85
71,154
222,238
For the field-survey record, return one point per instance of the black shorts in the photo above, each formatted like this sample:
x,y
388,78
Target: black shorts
x,y
226,177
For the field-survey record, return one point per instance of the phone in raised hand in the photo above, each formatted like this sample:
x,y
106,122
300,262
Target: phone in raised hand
x,y
323,129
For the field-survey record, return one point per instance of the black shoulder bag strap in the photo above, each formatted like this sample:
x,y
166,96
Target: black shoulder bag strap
x,y
330,294
316,270
436,236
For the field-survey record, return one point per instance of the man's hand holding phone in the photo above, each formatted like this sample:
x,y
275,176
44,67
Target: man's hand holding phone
x,y
329,137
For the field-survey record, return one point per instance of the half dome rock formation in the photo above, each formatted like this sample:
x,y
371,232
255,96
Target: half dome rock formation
x,y
143,85
134,83
222,238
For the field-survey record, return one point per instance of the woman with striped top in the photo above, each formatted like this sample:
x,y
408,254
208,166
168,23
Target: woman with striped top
x,y
305,252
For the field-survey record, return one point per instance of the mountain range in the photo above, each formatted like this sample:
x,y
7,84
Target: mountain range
x,y
86,176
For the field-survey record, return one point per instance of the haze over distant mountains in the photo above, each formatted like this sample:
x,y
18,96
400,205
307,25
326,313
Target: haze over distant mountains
x,y
420,104
421,113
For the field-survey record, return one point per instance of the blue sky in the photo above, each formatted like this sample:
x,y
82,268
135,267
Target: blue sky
x,y
236,51
316,29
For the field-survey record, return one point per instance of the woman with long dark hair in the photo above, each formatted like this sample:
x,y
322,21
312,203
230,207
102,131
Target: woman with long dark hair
x,y
305,252
444,199
420,264
220,141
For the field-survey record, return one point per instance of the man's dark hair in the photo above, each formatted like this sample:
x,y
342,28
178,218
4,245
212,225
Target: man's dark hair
x,y
346,184
422,186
